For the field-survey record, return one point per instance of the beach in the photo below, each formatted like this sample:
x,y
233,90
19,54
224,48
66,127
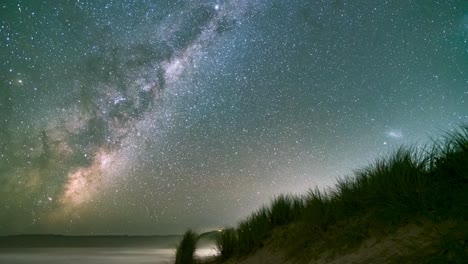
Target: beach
x,y
92,255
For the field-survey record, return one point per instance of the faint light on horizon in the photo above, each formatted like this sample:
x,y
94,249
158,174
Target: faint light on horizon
x,y
206,252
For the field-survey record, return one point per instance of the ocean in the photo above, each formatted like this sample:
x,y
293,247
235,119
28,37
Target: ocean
x,y
130,255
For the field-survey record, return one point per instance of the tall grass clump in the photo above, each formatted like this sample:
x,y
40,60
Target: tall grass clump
x,y
253,231
449,171
186,248
389,189
317,211
450,158
285,209
227,242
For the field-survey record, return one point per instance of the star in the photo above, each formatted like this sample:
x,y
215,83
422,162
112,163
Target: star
x,y
187,107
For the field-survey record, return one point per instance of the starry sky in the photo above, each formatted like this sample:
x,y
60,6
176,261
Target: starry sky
x,y
152,116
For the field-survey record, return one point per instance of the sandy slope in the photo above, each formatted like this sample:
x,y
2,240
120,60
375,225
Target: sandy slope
x,y
405,245
386,250
263,256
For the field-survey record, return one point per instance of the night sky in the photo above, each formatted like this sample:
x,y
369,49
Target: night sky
x,y
149,117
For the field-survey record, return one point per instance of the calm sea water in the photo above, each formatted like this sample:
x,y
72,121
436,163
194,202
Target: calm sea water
x,y
92,255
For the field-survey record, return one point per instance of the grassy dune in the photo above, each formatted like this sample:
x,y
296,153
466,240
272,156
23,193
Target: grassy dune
x,y
424,192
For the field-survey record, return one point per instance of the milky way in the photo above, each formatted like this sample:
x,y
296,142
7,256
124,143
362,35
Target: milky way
x,y
148,117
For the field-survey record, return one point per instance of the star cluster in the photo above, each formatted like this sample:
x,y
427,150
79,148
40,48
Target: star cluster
x,y
147,117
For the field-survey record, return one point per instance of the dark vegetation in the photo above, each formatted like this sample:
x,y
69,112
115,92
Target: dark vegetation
x,y
410,186
186,248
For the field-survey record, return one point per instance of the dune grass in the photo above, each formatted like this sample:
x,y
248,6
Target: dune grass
x,y
227,242
252,231
186,248
410,183
285,209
